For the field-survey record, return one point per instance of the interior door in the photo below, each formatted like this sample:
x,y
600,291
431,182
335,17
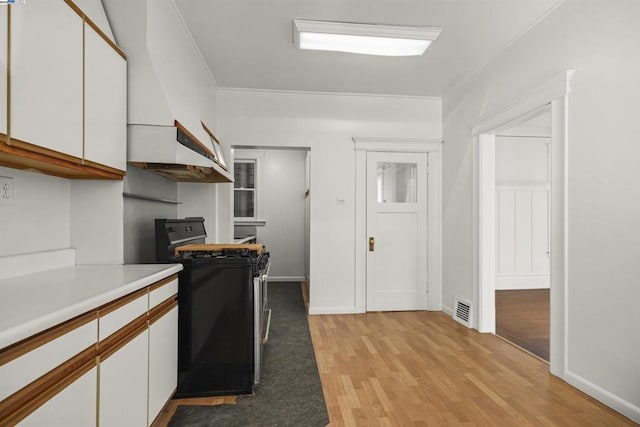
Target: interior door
x,y
397,231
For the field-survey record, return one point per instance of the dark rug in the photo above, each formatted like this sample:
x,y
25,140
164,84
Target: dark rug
x,y
290,393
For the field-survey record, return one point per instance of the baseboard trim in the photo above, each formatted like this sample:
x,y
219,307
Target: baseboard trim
x,y
287,278
504,283
447,310
332,310
611,400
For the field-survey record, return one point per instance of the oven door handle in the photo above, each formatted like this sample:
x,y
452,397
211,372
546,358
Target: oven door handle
x,y
265,276
266,330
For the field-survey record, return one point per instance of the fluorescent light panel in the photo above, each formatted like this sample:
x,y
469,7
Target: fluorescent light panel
x,y
368,39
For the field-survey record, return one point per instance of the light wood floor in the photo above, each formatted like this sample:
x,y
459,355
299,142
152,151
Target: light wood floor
x,y
422,368
522,317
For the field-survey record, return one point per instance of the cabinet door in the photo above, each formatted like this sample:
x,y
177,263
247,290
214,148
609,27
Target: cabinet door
x,y
105,102
163,361
73,406
123,385
46,75
4,31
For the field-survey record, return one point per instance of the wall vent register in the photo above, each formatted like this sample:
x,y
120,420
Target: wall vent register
x,y
462,312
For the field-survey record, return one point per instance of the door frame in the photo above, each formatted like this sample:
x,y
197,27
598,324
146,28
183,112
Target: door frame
x,y
433,148
553,93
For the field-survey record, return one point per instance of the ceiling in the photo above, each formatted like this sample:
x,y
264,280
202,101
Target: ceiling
x,y
249,43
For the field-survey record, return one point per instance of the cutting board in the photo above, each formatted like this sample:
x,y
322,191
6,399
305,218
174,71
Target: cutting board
x,y
220,246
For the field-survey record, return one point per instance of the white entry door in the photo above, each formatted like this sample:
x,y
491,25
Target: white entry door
x,y
397,231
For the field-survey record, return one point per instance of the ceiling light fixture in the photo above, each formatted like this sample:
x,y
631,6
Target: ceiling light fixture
x,y
368,39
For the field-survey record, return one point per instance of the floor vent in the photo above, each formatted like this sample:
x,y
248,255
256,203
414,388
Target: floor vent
x,y
462,312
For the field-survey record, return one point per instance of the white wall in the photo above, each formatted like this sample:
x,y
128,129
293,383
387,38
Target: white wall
x,y
199,199
521,160
57,213
325,123
168,81
281,186
599,40
39,218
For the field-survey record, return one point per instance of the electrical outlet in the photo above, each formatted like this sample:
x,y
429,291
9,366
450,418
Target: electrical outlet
x,y
7,193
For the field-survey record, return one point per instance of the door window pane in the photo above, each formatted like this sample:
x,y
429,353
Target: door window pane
x,y
396,182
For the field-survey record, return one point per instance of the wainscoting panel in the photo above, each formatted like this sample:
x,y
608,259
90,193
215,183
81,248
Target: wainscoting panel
x,y
522,237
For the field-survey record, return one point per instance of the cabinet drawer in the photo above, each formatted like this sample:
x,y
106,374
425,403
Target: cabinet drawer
x,y
161,293
21,371
121,312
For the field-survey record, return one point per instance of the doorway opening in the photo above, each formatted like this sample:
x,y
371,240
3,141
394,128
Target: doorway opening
x,y
551,96
522,214
403,194
271,204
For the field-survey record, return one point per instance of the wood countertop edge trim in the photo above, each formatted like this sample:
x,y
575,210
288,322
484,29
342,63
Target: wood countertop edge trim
x,y
33,342
163,282
112,306
163,308
25,401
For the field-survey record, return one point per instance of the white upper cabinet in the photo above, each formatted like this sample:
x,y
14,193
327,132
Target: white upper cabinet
x,y
3,69
46,75
105,102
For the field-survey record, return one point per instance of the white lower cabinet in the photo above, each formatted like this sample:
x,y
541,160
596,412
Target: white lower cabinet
x,y
163,361
73,406
129,350
122,394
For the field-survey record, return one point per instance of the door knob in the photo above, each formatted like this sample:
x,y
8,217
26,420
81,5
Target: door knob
x,y
372,243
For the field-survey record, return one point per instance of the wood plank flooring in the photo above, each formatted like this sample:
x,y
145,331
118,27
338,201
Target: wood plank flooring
x,y
422,368
522,317
164,417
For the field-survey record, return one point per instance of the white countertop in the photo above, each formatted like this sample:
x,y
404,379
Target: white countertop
x,y
32,303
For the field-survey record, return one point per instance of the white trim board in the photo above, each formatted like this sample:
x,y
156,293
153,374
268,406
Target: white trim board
x,y
525,107
447,310
553,92
433,148
506,282
611,400
287,279
333,310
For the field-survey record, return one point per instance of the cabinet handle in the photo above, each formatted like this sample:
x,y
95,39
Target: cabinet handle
x,y
372,244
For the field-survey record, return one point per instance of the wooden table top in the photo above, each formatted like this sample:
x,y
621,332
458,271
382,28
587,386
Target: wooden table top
x,y
220,246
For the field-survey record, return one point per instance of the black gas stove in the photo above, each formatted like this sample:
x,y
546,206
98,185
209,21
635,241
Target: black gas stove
x,y
223,317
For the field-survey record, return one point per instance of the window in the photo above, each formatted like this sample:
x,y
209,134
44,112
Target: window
x,y
244,189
